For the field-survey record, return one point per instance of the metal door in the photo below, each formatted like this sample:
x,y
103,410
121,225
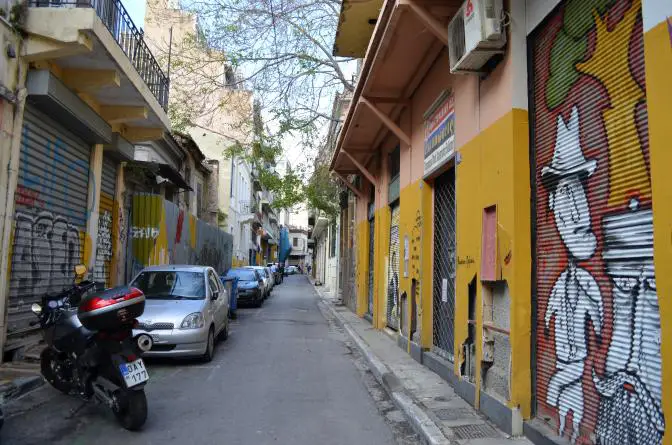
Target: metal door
x,y
444,264
598,359
50,215
393,272
106,211
372,228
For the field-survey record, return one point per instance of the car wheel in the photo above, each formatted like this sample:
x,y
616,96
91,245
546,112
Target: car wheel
x,y
210,346
259,301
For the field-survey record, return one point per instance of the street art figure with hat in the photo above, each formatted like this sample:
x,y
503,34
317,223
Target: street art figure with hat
x,y
575,293
630,404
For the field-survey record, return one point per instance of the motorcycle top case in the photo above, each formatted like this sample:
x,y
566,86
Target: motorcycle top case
x,y
111,309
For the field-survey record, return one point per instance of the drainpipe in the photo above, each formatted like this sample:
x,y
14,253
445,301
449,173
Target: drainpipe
x,y
10,177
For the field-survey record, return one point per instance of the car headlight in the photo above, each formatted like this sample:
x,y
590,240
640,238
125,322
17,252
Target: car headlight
x,y
193,321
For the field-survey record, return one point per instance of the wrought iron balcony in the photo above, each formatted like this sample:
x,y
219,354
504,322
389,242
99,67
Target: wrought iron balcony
x,y
117,20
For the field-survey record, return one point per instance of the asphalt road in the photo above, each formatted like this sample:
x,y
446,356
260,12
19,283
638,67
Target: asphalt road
x,y
286,375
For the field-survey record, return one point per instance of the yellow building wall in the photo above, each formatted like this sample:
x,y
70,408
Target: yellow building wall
x,y
494,170
658,59
416,224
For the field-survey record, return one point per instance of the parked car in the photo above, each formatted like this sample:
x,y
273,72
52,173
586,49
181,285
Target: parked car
x,y
276,272
250,285
186,310
266,277
271,277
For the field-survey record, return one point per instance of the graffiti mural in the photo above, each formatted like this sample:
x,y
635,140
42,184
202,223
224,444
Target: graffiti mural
x,y
161,233
45,250
598,329
104,245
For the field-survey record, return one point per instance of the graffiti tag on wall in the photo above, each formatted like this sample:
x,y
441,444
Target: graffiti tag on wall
x,y
46,249
598,334
103,248
163,234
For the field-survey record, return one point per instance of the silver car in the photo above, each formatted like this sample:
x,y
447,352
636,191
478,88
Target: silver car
x,y
186,310
267,276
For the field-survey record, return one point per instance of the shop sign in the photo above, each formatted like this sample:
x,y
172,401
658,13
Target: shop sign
x,y
439,132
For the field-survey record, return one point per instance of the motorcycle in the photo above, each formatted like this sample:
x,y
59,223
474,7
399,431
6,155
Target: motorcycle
x,y
90,349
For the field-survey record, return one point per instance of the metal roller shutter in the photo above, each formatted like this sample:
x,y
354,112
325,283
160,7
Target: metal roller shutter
x,y
598,363
372,253
106,212
50,215
444,264
393,272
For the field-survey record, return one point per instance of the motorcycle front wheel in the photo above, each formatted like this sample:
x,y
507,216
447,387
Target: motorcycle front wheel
x,y
55,371
132,410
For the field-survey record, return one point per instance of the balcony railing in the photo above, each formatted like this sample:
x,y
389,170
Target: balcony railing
x,y
126,34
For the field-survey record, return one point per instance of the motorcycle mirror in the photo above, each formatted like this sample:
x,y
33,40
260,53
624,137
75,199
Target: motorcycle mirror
x,y
80,270
36,308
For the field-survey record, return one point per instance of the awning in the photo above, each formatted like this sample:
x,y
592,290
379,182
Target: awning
x,y
410,36
165,171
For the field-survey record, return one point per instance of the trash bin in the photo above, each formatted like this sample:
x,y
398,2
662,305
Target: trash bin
x,y
231,285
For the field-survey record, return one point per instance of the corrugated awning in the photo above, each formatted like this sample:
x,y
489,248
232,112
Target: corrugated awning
x,y
410,37
165,171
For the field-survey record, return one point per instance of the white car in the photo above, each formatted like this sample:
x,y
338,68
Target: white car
x,y
267,276
186,310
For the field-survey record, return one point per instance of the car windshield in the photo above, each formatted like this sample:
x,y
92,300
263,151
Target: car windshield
x,y
242,274
171,285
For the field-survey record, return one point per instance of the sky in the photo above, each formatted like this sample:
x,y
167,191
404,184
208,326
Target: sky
x,y
292,152
136,9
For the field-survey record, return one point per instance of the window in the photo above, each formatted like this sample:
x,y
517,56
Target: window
x,y
332,240
171,285
233,172
394,163
187,194
243,274
213,283
295,242
199,200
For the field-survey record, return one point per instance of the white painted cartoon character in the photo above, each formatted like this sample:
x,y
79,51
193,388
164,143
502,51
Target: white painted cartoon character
x,y
630,403
575,293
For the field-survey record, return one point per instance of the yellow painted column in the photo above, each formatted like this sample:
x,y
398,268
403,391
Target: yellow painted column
x,y
362,243
93,206
657,15
119,229
426,295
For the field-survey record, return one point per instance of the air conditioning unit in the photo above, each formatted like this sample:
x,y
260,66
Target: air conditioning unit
x,y
475,34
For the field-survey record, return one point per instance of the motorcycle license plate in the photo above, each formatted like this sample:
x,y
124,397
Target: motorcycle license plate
x,y
134,373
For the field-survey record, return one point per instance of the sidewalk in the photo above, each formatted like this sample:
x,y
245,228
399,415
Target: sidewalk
x,y
17,379
436,412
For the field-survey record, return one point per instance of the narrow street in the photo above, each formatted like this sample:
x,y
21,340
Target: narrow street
x,y
286,375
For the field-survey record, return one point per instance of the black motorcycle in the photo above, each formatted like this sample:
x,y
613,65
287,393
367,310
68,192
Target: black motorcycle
x,y
90,349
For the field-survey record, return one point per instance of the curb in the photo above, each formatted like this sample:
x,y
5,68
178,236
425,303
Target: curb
x,y
19,387
422,424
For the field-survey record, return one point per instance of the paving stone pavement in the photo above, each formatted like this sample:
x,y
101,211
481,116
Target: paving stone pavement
x,y
444,417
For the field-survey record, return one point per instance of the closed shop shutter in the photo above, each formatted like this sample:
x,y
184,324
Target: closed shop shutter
x,y
106,212
393,272
444,265
598,363
50,215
